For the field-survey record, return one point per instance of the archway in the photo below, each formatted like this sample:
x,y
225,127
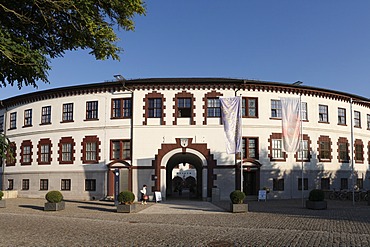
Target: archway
x,y
184,176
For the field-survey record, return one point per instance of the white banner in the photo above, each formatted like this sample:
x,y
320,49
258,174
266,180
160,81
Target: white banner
x,y
231,118
291,123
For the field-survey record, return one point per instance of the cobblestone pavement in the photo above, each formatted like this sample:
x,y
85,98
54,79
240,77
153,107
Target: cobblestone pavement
x,y
177,223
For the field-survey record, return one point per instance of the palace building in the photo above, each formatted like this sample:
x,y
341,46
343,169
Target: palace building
x,y
167,133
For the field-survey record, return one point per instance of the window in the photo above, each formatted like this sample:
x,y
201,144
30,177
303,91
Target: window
x,y
92,110
325,183
344,183
67,115
10,184
278,184
303,148
275,108
304,114
276,147
324,148
46,115
357,119
359,151
323,114
26,152
1,123
250,147
66,150
44,184
213,107
44,152
65,184
13,120
360,183
90,150
121,108
249,107
25,184
368,122
184,107
90,185
343,153
305,183
341,116
155,108
28,118
120,150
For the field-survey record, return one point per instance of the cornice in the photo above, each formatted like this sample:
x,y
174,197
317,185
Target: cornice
x,y
184,84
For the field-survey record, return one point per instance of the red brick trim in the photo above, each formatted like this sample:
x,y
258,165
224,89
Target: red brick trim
x,y
358,142
24,144
86,140
345,141
66,140
45,141
324,139
184,94
153,95
212,94
272,137
305,138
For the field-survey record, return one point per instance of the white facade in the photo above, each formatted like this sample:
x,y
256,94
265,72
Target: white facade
x,y
161,143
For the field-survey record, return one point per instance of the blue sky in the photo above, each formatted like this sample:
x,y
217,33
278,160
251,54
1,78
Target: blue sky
x,y
324,44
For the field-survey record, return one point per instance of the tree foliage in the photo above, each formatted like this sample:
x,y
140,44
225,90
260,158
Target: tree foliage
x,y
34,31
4,147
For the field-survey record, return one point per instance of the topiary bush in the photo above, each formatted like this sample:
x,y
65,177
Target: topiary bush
x,y
316,195
126,197
1,195
237,197
54,196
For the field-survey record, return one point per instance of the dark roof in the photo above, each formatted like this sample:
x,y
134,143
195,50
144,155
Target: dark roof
x,y
190,82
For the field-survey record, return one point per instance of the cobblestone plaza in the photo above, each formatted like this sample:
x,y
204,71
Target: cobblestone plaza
x,y
184,223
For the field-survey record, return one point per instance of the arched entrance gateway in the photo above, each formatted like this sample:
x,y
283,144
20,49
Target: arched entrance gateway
x,y
124,176
184,170
251,177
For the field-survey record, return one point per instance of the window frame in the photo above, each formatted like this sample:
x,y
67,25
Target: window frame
x,y
356,119
46,115
246,141
124,109
44,184
44,156
86,157
325,183
359,151
67,112
65,184
90,184
343,151
278,184
92,110
25,184
342,116
322,150
213,107
304,111
323,114
246,107
13,121
155,107
305,184
26,157
122,150
27,118
276,109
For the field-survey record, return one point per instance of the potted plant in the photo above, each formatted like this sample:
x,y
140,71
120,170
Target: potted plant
x,y
54,201
237,202
2,202
316,200
126,202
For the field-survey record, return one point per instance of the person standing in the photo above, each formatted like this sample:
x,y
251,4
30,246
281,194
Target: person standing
x,y
144,196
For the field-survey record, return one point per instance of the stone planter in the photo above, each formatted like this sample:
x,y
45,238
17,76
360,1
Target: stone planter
x,y
54,206
316,205
122,208
238,208
2,204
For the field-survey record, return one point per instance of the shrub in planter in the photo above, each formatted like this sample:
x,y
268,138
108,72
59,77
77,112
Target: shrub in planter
x,y
316,195
316,200
1,194
237,197
126,197
237,202
54,196
54,201
2,202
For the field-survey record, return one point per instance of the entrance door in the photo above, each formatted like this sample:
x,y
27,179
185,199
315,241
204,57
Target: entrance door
x,y
250,183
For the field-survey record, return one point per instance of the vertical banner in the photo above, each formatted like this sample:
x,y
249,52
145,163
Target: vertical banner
x,y
290,115
231,119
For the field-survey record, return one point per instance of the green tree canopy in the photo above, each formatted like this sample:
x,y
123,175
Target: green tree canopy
x,y
34,31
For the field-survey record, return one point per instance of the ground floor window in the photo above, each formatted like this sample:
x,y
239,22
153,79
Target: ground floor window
x,y
44,184
278,184
360,183
65,184
305,183
25,184
325,183
10,184
90,184
344,183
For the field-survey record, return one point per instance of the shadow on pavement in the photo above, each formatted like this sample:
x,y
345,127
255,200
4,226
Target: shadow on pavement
x,y
32,207
98,209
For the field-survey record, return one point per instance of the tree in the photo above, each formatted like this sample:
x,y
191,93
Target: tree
x,y
34,31
4,147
